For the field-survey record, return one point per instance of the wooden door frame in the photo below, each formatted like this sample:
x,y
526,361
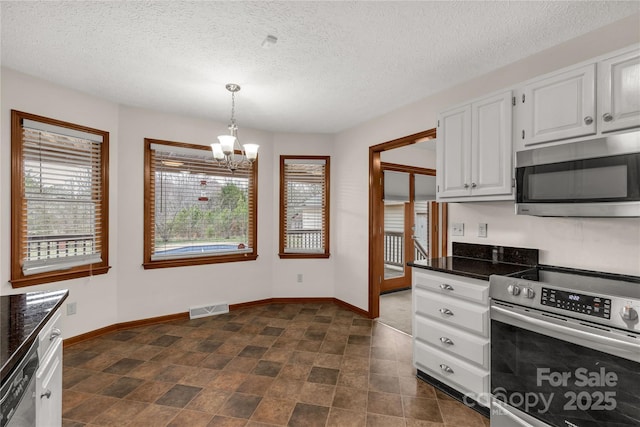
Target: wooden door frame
x,y
376,218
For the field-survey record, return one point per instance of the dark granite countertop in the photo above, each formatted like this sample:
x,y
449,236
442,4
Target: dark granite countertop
x,y
481,261
22,316
468,267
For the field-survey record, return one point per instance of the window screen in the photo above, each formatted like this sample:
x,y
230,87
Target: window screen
x,y
304,206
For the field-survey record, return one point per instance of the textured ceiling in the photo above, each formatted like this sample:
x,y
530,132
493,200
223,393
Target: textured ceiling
x,y
335,65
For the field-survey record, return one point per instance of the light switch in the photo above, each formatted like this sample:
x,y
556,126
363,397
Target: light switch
x,y
457,229
482,229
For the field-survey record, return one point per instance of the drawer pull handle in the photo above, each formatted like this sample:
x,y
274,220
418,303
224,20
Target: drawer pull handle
x,y
446,369
55,333
446,311
446,340
446,287
47,394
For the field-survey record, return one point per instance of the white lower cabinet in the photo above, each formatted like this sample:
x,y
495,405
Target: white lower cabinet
x,y
451,331
49,375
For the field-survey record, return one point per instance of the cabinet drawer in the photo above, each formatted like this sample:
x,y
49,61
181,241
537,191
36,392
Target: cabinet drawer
x,y
446,284
49,387
48,334
470,347
452,371
454,312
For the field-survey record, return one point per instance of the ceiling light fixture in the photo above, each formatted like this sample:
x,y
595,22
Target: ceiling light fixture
x,y
269,41
224,151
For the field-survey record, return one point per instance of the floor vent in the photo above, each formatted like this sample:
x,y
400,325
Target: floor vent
x,y
208,310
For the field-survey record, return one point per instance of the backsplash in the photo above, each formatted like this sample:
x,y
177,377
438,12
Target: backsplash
x,y
496,253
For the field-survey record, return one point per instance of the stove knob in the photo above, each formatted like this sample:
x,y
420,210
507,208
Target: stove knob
x,y
513,290
628,313
529,293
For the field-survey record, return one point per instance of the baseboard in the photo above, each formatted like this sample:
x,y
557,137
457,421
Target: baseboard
x,y
390,291
185,316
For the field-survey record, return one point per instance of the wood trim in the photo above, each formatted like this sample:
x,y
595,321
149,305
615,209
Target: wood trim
x,y
434,223
408,169
326,225
124,325
18,228
185,316
376,272
376,269
149,223
404,141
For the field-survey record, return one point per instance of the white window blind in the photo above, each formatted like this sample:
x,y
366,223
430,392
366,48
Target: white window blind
x,y
198,207
62,198
305,204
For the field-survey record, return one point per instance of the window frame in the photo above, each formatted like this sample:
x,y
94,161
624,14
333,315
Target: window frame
x,y
149,222
326,224
18,225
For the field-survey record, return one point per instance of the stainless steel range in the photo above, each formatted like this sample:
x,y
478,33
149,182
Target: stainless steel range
x,y
565,349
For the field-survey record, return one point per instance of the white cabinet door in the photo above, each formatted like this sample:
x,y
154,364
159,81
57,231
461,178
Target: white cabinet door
x,y
491,157
619,92
559,107
49,388
453,152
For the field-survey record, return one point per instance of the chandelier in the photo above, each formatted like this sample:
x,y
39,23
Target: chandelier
x,y
224,151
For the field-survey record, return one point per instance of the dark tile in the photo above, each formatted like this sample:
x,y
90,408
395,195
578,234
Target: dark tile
x,y
359,339
215,361
271,331
240,405
123,335
78,358
305,415
123,366
149,392
308,311
208,346
314,335
178,396
253,351
322,319
164,340
232,327
122,387
267,368
323,375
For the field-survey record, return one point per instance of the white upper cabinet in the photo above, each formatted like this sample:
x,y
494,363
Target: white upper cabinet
x,y
453,147
619,92
560,107
474,150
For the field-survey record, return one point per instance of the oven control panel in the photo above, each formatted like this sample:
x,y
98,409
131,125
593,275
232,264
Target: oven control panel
x,y
579,303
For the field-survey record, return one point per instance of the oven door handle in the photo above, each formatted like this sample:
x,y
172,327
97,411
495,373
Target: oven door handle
x,y
606,344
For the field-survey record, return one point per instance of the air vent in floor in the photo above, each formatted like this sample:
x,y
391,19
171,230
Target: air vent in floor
x,y
208,310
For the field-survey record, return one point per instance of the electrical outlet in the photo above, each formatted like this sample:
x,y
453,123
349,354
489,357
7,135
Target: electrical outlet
x,y
71,308
482,229
299,278
457,229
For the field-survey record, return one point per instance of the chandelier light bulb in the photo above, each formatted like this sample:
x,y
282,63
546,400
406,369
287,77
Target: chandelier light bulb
x,y
216,148
251,151
227,142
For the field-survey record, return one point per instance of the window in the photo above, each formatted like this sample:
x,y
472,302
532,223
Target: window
x,y
59,200
196,211
304,207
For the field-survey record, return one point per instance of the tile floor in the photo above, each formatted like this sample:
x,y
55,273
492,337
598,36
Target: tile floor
x,y
279,364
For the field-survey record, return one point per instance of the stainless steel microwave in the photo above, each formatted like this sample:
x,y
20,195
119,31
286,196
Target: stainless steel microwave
x,y
599,177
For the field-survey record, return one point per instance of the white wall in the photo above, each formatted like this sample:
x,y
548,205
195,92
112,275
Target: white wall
x,y
96,296
317,274
128,292
598,244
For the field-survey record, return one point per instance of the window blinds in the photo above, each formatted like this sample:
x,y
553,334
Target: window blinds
x,y
62,198
305,205
199,208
